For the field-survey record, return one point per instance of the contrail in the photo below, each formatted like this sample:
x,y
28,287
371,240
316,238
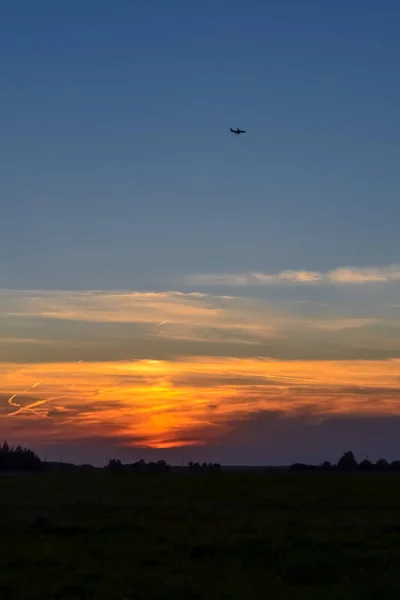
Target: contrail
x,y
33,405
11,403
103,391
302,379
29,407
15,404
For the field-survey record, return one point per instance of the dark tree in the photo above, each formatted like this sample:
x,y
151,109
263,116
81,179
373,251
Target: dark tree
x,y
216,467
114,465
194,466
366,465
347,462
303,467
382,464
204,467
326,466
140,466
18,459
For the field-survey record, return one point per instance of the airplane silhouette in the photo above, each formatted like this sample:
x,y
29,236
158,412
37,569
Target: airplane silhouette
x,y
237,131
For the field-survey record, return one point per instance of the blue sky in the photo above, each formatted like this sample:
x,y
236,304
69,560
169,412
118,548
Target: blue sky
x,y
119,170
166,286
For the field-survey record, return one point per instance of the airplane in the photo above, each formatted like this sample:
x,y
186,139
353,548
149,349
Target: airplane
x,y
237,131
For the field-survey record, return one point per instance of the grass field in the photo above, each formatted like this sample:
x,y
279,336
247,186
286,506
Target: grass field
x,y
183,537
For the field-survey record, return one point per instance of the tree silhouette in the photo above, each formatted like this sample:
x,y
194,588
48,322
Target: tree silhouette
x,y
366,465
140,466
347,462
18,459
382,464
114,465
204,467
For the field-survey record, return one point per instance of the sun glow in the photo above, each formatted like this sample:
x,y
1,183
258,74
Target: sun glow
x,y
189,401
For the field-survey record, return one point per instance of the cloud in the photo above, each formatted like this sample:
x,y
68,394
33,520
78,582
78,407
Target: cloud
x,y
107,306
109,326
340,275
365,275
187,402
168,369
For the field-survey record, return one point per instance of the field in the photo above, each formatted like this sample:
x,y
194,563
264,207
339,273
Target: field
x,y
183,537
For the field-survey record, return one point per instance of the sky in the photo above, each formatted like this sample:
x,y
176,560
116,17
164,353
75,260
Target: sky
x,y
171,290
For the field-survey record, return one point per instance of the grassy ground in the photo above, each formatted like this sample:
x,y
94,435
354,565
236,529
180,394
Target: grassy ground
x,y
229,536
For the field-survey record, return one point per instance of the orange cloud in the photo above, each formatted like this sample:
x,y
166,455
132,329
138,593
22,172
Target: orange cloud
x,y
193,401
223,360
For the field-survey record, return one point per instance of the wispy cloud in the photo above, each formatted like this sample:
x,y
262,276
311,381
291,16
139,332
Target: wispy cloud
x,y
100,326
340,275
116,306
168,369
97,326
192,401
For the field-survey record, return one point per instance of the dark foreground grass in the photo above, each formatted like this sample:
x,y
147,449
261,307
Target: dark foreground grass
x,y
173,537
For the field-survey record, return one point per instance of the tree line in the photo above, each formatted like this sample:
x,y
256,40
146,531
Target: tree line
x,y
23,459
348,463
141,466
18,459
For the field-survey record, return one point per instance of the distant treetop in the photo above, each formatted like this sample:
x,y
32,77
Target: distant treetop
x,y
348,463
18,459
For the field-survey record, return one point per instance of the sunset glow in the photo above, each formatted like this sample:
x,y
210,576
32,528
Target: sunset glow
x,y
166,403
173,369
